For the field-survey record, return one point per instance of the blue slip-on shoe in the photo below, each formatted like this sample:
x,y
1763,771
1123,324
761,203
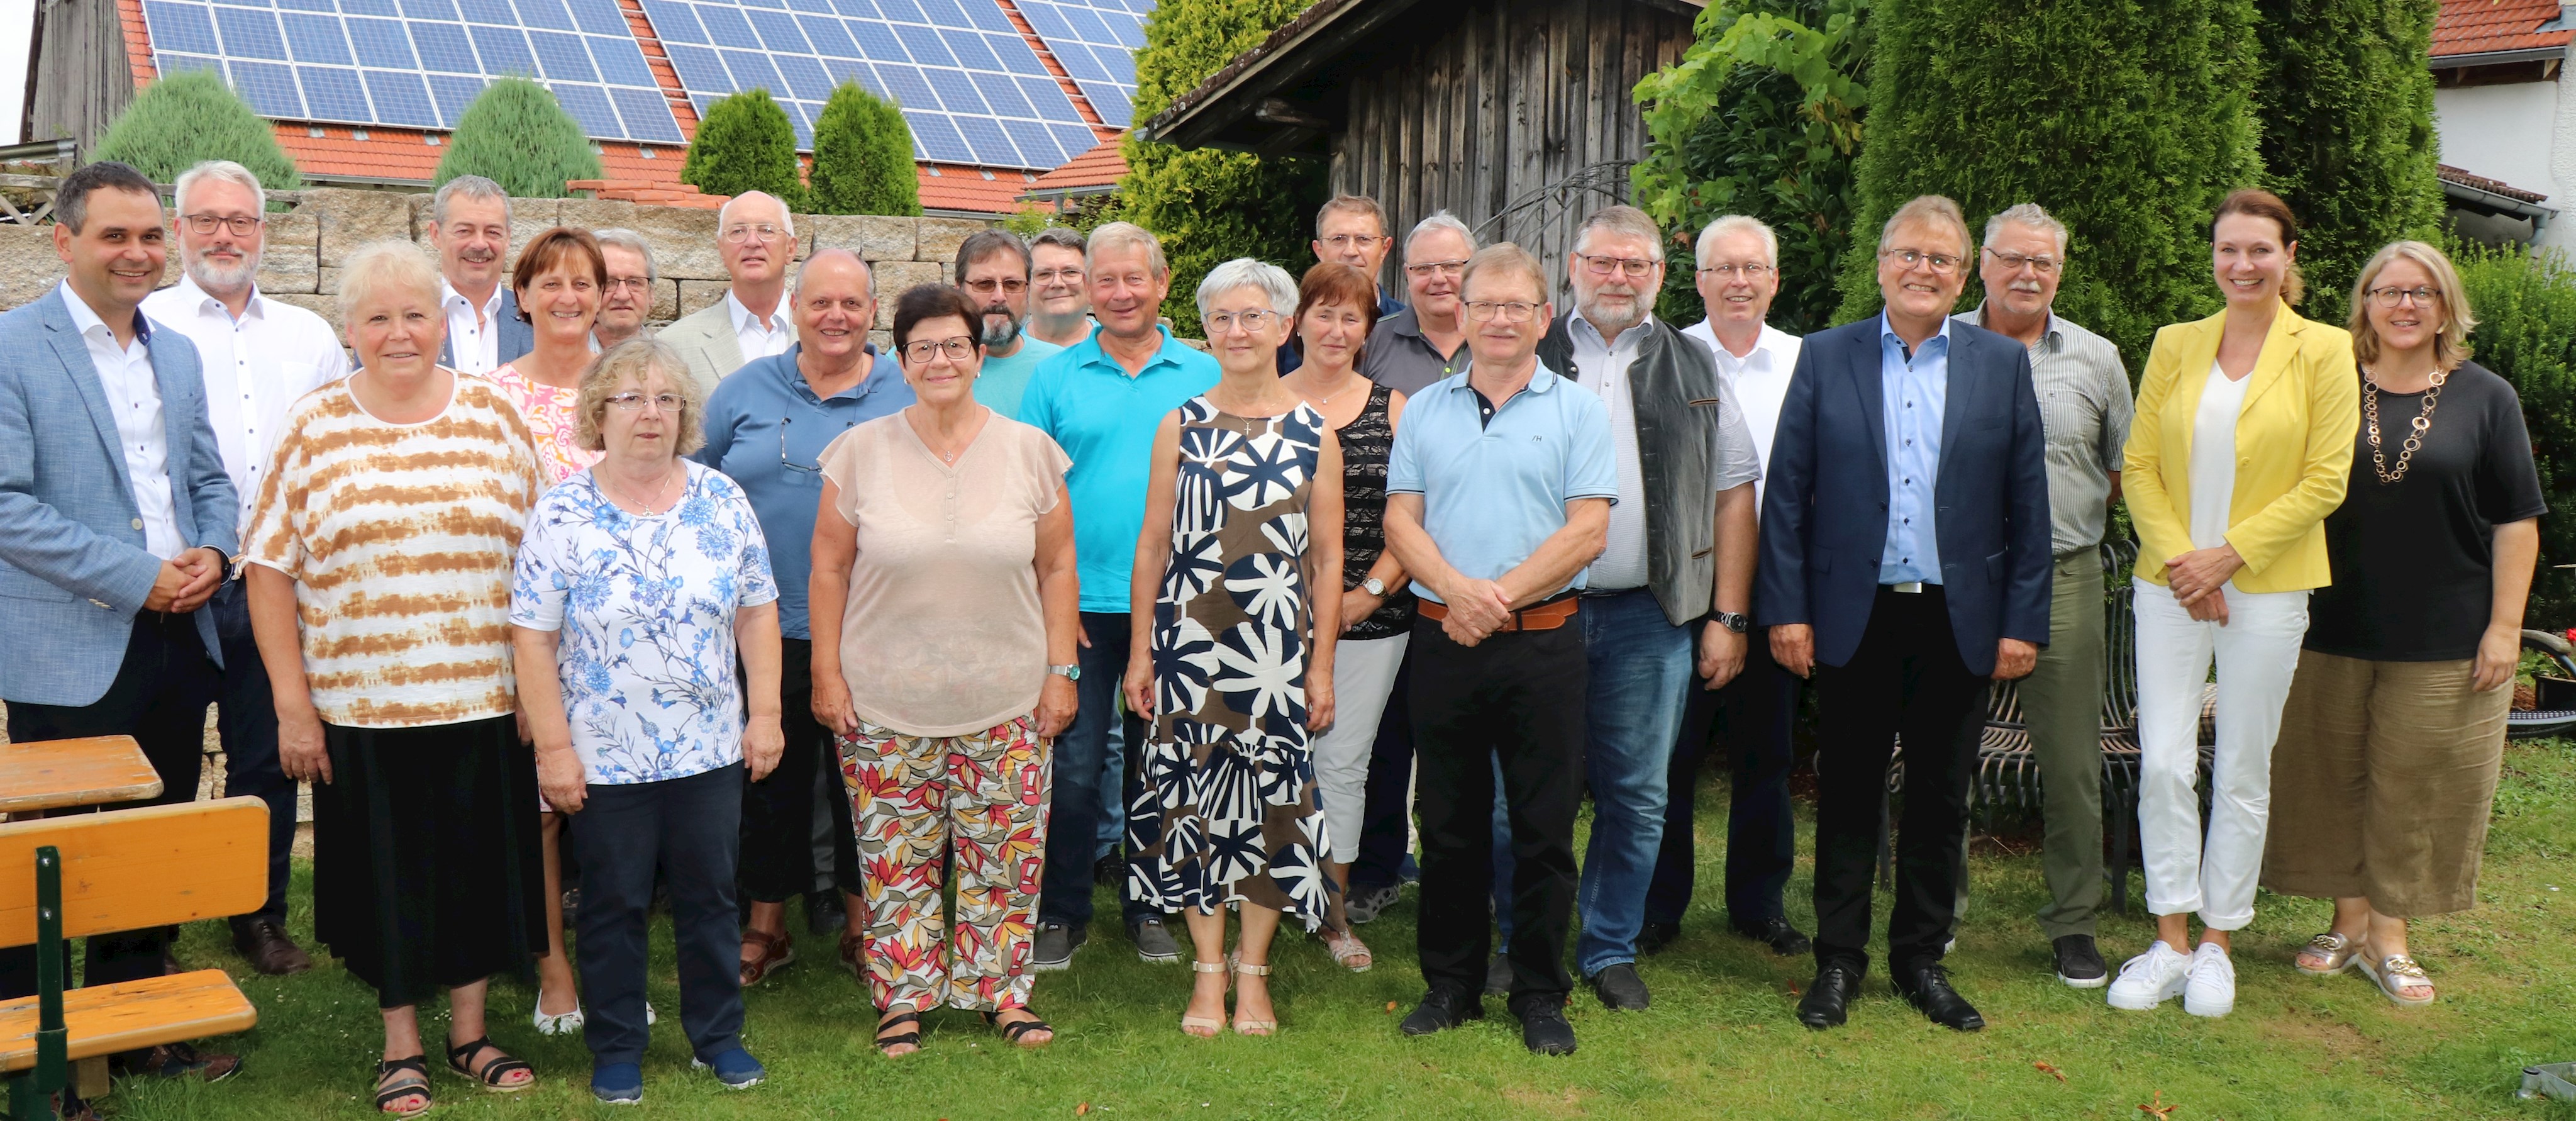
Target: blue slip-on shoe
x,y
617,1083
735,1068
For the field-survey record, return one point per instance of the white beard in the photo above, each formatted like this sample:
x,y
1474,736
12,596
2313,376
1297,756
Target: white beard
x,y
216,279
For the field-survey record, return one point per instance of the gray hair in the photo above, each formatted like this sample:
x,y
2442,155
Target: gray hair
x,y
1930,210
786,220
1621,220
2026,214
988,242
1062,237
1351,204
393,263
225,171
1507,257
639,358
1128,235
631,241
1737,224
1244,272
472,187
832,254
1441,220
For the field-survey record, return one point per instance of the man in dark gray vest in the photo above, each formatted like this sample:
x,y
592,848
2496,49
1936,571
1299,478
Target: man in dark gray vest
x,y
1670,591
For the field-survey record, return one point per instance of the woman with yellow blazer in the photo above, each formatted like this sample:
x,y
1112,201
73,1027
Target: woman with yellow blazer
x,y
2241,446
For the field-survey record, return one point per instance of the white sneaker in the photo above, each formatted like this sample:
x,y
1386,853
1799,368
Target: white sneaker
x,y
2151,978
2211,989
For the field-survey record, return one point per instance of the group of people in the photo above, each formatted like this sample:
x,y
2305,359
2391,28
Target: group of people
x,y
534,596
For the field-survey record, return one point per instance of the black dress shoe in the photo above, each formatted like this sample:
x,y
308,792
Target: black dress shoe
x,y
1927,988
1829,1000
1544,1029
1441,1010
269,950
1110,870
1654,936
2079,962
1620,989
1776,933
825,913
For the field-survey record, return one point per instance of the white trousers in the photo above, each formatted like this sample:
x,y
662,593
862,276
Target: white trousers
x,y
2257,652
1363,676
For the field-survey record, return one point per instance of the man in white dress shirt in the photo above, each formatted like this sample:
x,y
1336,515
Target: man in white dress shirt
x,y
470,229
258,357
1739,273
757,239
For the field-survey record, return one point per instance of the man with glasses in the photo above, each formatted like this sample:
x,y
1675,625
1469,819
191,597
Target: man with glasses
x,y
1419,345
627,303
1905,558
1059,296
470,228
258,356
2084,407
1349,230
757,239
1671,588
1499,492
1102,400
994,269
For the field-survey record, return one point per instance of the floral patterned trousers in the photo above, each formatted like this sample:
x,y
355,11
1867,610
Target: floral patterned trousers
x,y
915,800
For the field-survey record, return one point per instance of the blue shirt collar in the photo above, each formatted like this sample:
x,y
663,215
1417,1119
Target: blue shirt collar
x,y
880,372
1887,334
1542,380
1089,351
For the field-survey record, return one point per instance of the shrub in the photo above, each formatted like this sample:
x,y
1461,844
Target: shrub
x,y
863,157
1762,116
190,117
516,134
1210,206
2526,308
744,144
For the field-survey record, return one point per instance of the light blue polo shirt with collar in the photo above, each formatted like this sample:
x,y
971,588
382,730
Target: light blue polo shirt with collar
x,y
1493,490
1105,420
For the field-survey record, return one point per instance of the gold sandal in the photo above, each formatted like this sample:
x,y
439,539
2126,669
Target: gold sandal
x,y
2394,975
1253,1027
2339,950
1213,1026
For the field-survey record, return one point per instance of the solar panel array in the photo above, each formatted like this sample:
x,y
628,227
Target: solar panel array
x,y
969,84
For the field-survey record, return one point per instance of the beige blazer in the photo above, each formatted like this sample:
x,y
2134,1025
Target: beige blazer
x,y
705,340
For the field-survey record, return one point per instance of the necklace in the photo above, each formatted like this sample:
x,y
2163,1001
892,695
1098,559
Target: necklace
x,y
2414,437
648,506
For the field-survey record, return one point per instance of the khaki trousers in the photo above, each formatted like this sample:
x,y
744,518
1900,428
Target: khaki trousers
x,y
2061,705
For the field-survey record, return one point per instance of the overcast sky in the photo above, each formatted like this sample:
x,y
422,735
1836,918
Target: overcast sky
x,y
17,18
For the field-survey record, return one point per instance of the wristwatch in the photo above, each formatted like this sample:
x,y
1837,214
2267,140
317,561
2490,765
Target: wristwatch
x,y
1069,673
1730,620
1374,586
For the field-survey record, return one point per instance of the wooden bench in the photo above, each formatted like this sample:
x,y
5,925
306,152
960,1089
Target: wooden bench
x,y
118,870
95,771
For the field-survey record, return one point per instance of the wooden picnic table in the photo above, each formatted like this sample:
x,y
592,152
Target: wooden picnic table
x,y
94,770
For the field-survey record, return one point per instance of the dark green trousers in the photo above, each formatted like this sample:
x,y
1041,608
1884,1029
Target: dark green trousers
x,y
2061,704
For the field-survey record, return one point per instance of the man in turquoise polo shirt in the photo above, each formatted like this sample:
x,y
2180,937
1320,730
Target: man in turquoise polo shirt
x,y
1102,400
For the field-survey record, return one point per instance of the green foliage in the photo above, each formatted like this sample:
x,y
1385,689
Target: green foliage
x,y
2348,141
745,144
1762,116
2526,309
516,135
863,157
1210,206
2128,121
190,117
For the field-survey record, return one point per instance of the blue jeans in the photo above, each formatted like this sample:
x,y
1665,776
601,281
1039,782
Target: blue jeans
x,y
1640,673
1081,795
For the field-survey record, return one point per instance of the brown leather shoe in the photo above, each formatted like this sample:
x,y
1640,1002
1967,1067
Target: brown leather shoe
x,y
269,950
775,952
174,1060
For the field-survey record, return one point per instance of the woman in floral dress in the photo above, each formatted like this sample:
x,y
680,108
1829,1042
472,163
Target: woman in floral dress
x,y
1233,658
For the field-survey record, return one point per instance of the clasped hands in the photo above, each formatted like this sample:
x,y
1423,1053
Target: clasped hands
x,y
186,581
1477,608
2198,580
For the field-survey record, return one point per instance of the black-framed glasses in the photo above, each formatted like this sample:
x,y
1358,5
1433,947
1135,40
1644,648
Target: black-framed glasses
x,y
1602,265
958,348
1511,311
2012,262
242,225
2391,296
1942,263
671,403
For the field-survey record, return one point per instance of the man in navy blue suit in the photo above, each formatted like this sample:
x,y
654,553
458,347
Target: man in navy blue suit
x,y
1905,564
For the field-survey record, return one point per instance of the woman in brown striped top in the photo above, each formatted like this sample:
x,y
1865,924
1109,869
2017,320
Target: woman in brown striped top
x,y
380,553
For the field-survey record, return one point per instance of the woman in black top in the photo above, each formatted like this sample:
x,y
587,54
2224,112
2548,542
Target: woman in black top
x,y
1336,307
2394,729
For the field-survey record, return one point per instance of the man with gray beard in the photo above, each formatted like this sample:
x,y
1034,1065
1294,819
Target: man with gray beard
x,y
259,355
993,270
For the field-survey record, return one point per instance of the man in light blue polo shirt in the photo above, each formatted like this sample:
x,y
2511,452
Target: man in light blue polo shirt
x,y
1102,399
1498,495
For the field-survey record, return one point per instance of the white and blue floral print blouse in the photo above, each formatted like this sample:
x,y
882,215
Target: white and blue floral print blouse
x,y
646,610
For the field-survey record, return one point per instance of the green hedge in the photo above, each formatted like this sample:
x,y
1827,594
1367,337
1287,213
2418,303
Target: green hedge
x,y
863,157
516,134
2526,309
190,117
745,143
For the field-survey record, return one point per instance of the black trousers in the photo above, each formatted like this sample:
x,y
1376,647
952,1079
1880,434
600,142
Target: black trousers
x,y
1751,717
1906,679
1386,816
247,720
688,828
778,811
1518,696
159,697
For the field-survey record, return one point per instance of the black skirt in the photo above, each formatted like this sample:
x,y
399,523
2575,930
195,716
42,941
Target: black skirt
x,y
427,869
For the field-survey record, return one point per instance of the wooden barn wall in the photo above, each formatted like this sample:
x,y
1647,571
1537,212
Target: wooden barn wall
x,y
1524,94
83,78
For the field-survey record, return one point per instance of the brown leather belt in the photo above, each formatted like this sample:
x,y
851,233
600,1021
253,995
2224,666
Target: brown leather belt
x,y
1539,617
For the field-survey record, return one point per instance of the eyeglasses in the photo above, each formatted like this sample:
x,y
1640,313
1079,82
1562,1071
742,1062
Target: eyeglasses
x,y
1604,266
2391,297
1250,321
240,225
1512,311
1057,276
988,286
1943,263
784,460
1750,271
738,234
1345,242
1443,268
958,348
2013,262
637,283
634,402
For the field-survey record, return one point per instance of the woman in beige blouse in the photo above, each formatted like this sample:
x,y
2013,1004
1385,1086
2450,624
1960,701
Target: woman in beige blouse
x,y
944,618
379,558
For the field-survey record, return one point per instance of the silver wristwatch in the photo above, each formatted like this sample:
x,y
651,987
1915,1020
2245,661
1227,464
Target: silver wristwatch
x,y
1730,620
1374,586
1069,673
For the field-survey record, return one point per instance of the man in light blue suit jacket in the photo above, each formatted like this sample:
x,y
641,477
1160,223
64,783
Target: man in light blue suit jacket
x,y
116,519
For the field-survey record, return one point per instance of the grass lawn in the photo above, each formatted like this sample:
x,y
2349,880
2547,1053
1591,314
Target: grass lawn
x,y
1720,1040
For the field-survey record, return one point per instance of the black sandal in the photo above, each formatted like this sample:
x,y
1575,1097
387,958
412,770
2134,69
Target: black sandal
x,y
1014,1030
912,1037
416,1086
492,1073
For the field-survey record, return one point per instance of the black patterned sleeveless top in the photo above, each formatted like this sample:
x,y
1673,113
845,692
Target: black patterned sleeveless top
x,y
1366,440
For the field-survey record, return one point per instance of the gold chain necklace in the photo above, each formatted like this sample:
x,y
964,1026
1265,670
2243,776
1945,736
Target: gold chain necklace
x,y
2414,437
658,488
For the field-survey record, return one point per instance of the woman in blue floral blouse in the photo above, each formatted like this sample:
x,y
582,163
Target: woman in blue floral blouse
x,y
638,581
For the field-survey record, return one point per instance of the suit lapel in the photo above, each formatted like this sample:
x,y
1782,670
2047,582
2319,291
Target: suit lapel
x,y
2279,345
73,351
1959,377
1865,385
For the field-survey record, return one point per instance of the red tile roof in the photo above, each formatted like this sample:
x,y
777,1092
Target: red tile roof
x,y
2451,174
2487,26
1102,166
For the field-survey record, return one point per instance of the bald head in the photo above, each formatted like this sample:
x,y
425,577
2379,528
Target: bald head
x,y
834,304
828,266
